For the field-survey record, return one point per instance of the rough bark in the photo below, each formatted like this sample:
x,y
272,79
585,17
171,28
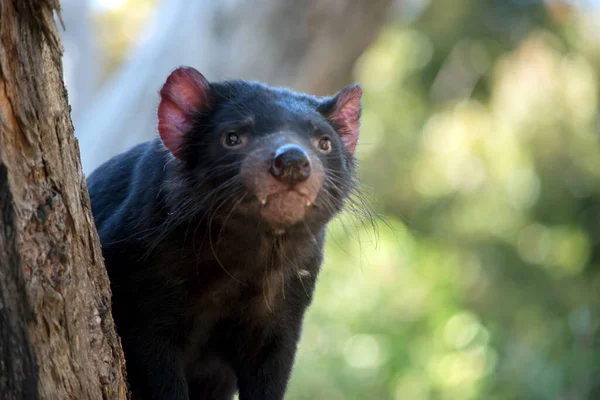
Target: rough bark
x,y
57,339
308,45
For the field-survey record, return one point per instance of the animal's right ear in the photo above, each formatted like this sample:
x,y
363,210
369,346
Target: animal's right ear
x,y
343,111
185,94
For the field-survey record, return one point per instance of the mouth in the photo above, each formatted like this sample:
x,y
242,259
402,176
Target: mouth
x,y
274,197
285,207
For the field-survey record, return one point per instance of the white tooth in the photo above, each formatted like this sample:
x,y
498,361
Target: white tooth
x,y
263,201
308,203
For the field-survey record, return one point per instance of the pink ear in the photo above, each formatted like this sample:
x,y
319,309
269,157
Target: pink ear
x,y
344,110
182,97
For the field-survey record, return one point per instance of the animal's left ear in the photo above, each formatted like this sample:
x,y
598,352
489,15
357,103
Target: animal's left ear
x,y
343,111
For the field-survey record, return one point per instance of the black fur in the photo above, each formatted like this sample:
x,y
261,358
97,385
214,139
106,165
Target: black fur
x,y
208,298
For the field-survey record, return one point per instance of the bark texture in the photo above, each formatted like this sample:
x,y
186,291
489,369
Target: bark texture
x,y
57,339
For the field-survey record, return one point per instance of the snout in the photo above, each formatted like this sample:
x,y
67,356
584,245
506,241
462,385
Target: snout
x,y
285,178
290,165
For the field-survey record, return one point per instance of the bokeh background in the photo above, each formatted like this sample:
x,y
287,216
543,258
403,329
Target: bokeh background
x,y
480,146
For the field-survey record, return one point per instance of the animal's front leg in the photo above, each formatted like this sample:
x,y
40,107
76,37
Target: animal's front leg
x,y
266,375
154,369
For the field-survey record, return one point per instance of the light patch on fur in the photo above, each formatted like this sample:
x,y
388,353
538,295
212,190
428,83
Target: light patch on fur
x,y
303,273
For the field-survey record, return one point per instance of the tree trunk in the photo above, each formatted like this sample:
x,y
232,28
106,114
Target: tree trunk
x,y
309,46
57,339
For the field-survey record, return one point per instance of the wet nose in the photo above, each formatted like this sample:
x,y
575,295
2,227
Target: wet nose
x,y
290,164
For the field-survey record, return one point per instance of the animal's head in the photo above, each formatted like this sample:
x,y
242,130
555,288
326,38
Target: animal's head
x,y
270,157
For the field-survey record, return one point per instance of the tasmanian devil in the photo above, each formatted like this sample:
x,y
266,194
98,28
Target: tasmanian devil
x,y
213,233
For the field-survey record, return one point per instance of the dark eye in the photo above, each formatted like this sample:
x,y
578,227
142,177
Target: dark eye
x,y
325,144
232,139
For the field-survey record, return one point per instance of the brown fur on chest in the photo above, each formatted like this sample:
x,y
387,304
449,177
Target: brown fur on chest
x,y
253,297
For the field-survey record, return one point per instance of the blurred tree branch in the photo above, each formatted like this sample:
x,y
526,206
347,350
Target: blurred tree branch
x,y
81,54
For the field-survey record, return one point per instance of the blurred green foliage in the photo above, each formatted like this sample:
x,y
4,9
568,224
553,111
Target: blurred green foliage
x,y
480,138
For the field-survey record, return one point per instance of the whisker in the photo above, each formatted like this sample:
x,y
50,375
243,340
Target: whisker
x,y
229,216
213,249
